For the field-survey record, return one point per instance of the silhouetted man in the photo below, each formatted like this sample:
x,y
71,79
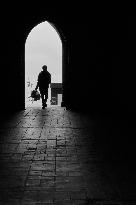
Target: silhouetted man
x,y
44,79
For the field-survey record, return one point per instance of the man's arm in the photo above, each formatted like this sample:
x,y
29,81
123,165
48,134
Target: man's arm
x,y
36,86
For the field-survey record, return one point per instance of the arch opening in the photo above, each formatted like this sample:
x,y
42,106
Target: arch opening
x,y
43,47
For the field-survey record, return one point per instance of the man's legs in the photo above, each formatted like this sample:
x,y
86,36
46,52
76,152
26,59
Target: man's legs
x,y
44,96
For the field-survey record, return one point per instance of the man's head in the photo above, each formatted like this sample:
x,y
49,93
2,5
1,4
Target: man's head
x,y
44,67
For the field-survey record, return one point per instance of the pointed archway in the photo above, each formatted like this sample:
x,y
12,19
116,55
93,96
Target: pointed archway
x,y
44,45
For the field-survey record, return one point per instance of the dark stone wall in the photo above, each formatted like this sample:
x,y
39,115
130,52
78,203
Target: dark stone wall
x,y
99,67
99,57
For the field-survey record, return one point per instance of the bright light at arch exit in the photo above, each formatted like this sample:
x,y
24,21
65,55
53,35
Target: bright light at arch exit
x,y
43,47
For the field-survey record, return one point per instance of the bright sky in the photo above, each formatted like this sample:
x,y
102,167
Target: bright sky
x,y
43,47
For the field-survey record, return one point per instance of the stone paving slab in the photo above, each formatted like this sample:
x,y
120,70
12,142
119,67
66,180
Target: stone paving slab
x,y
49,157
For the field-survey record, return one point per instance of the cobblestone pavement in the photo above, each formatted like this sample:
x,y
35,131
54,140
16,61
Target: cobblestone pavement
x,y
49,157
